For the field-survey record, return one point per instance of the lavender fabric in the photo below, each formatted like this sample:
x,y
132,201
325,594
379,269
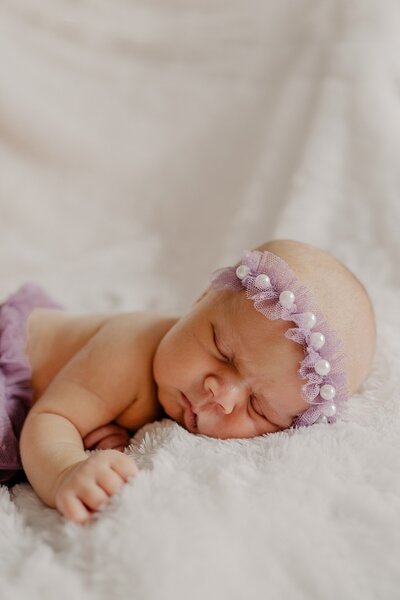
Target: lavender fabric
x,y
16,394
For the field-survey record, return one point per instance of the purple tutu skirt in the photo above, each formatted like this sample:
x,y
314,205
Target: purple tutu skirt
x,y
16,394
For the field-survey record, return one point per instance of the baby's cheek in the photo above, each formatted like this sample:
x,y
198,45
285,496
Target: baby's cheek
x,y
160,364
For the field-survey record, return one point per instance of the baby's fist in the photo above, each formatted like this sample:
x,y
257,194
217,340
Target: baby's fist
x,y
87,486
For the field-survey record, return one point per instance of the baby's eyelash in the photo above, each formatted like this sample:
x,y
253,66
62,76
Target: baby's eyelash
x,y
216,345
279,427
252,398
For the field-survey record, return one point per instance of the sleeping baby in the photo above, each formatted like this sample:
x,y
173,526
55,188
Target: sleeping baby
x,y
279,340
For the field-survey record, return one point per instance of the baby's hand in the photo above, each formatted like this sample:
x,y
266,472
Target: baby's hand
x,y
106,437
87,486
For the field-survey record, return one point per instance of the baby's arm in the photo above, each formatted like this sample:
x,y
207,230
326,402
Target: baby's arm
x,y
95,386
63,475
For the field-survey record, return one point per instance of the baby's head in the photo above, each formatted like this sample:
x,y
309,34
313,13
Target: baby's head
x,y
237,371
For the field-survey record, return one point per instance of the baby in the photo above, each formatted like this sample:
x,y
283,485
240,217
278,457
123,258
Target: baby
x,y
279,340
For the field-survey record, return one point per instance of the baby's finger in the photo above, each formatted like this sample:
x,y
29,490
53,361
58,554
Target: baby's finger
x,y
95,436
94,496
112,441
124,465
73,509
110,481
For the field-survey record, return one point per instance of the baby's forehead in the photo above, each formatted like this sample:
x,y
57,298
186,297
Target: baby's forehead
x,y
252,333
231,304
234,309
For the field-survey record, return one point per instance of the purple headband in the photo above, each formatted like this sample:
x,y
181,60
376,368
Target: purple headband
x,y
278,294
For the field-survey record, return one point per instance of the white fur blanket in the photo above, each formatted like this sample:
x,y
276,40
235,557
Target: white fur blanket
x,y
143,144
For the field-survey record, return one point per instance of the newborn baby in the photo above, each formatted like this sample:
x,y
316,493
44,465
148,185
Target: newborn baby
x,y
279,340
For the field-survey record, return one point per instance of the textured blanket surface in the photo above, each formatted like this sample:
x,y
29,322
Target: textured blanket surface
x,y
143,144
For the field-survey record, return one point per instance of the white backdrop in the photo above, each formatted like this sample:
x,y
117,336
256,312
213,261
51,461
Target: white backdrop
x,y
143,144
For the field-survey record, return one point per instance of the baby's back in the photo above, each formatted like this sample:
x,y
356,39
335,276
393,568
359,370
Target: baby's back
x,y
53,337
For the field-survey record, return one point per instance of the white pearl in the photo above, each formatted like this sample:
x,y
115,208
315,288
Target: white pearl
x,y
317,340
286,298
262,282
242,271
310,320
329,410
322,419
327,392
322,367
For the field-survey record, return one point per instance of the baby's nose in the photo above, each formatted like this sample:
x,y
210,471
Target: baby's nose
x,y
226,393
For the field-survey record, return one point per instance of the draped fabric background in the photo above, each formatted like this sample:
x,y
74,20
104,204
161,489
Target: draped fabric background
x,y
144,144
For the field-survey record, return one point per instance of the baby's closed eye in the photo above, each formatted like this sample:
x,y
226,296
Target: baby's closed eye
x,y
216,344
255,405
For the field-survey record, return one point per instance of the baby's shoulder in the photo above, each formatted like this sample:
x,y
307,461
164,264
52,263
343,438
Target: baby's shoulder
x,y
123,343
141,330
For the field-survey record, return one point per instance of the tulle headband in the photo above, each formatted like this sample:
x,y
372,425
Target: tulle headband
x,y
278,294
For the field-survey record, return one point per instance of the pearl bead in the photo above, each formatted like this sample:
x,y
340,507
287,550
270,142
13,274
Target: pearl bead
x,y
322,367
327,392
329,410
242,271
322,419
309,320
317,340
286,298
262,282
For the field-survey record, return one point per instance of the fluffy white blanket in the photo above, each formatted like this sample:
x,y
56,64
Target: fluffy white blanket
x,y
143,144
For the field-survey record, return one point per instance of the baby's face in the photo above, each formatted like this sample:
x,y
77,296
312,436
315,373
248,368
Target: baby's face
x,y
233,365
